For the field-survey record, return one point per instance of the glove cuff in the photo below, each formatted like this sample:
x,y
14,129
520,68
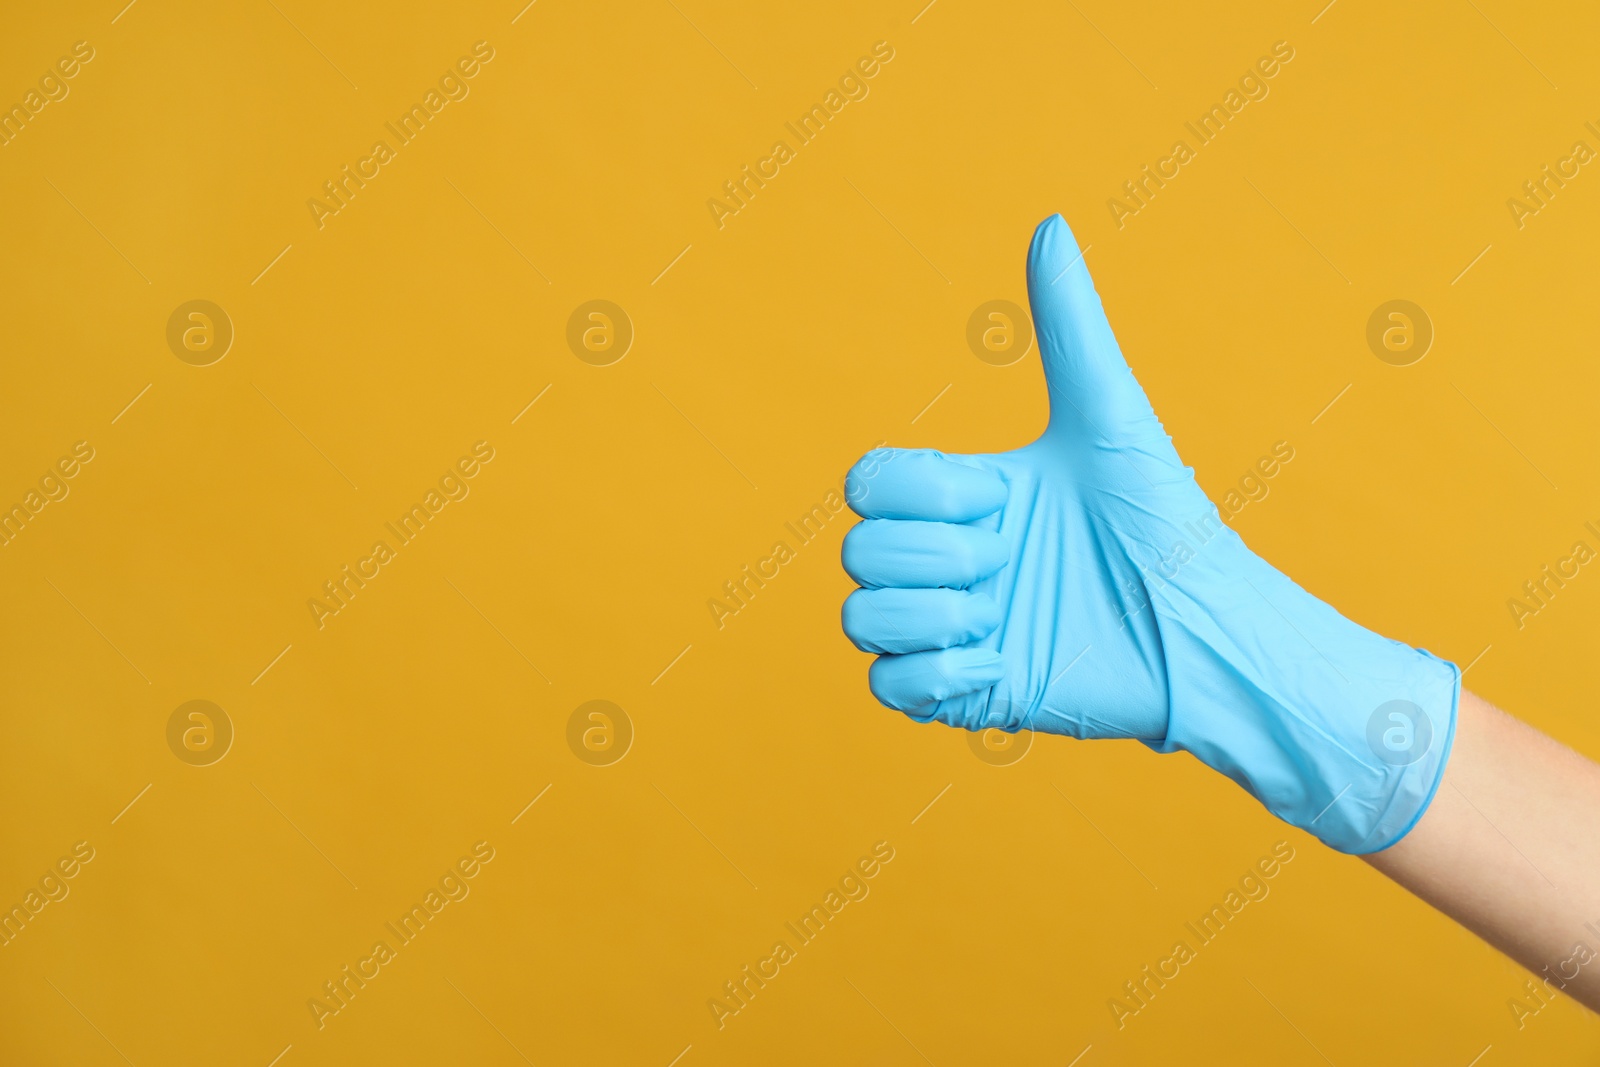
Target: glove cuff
x,y
1420,781
1335,729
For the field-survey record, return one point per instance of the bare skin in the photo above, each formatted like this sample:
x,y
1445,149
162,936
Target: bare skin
x,y
1510,848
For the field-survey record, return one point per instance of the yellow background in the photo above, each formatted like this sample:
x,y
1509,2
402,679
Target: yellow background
x,y
820,320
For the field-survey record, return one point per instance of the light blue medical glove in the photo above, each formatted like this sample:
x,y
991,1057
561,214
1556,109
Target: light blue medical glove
x,y
1084,585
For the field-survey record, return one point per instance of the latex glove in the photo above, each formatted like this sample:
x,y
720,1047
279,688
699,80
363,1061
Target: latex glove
x,y
1084,585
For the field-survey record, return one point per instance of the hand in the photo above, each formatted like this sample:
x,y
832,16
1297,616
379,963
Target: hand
x,y
1084,585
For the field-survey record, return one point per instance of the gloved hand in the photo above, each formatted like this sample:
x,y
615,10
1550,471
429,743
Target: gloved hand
x,y
1084,585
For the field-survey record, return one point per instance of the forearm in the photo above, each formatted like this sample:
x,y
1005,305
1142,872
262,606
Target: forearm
x,y
1510,848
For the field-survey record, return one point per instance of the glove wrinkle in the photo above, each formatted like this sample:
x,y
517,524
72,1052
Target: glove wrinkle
x,y
1127,608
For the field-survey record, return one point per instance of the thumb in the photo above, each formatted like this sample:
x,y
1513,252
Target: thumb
x,y
1093,395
